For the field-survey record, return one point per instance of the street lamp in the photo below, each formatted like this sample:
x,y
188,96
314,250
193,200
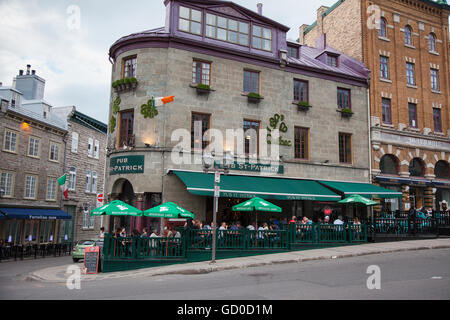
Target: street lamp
x,y
209,166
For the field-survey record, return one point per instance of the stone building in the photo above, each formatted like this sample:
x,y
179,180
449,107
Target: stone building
x,y
31,160
85,168
405,44
232,68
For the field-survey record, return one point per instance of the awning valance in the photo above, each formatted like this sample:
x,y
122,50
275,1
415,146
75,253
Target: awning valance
x,y
244,187
362,189
34,214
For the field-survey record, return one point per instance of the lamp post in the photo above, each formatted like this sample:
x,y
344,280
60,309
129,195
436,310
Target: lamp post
x,y
209,166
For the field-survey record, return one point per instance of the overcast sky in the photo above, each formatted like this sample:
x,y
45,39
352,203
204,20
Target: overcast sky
x,y
75,63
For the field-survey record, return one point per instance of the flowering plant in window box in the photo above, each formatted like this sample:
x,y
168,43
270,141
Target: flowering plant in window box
x,y
346,112
125,84
203,88
302,105
254,97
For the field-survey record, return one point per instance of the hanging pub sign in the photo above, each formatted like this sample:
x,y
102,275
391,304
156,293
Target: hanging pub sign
x,y
126,165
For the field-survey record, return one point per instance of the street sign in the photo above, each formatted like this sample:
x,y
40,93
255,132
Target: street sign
x,y
99,200
217,191
217,177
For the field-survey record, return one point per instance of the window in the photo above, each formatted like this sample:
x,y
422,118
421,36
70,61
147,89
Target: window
x,y
90,147
437,120
384,67
33,147
54,152
94,181
301,88
344,98
293,52
51,189
30,186
262,38
389,164
200,124
72,178
190,20
408,36
301,143
410,74
412,110
6,184
74,142
86,217
96,149
129,67
386,112
432,42
251,81
435,79
382,32
201,72
226,29
417,168
332,60
10,141
345,148
126,127
251,137
88,181
441,170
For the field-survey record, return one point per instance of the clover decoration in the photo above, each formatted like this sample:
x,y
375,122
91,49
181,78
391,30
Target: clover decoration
x,y
149,110
274,121
115,110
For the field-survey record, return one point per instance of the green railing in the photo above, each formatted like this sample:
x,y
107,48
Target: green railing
x,y
317,233
135,248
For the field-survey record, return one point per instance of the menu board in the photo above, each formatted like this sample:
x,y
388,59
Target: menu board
x,y
91,258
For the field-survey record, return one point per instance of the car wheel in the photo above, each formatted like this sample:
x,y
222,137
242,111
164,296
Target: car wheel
x,y
75,260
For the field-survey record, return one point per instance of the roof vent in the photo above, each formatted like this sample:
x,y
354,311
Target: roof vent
x,y
20,72
28,69
260,8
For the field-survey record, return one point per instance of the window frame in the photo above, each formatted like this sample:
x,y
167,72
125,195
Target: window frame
x,y
289,51
38,147
72,173
90,147
383,111
134,64
384,68
75,141
437,128
345,149
300,82
190,20
410,112
127,136
205,144
94,180
227,29
262,38
7,130
258,73
408,40
54,180
382,32
195,63
88,181
434,74
35,186
50,151
305,151
410,72
432,42
342,90
331,58
96,149
12,183
247,154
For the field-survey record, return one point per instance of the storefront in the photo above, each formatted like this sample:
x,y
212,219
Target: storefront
x,y
25,225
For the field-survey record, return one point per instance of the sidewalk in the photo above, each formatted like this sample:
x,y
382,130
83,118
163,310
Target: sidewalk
x,y
58,274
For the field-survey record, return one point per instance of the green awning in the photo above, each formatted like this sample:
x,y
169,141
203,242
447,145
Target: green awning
x,y
362,189
245,187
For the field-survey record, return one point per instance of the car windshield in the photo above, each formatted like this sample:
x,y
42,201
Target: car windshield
x,y
86,242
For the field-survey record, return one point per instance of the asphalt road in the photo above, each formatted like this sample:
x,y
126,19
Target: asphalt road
x,y
412,275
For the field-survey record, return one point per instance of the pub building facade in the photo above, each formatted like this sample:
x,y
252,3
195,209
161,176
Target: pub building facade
x,y
232,68
406,46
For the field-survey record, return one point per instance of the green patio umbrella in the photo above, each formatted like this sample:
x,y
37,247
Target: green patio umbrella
x,y
168,210
357,199
117,208
257,204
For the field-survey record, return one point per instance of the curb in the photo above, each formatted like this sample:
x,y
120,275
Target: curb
x,y
151,272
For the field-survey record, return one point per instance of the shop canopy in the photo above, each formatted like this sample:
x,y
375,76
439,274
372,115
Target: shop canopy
x,y
34,214
363,189
245,187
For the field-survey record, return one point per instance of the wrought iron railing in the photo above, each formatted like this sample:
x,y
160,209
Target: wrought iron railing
x,y
35,251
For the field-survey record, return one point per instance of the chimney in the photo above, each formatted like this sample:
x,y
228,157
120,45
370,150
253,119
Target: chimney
x,y
1,84
31,86
28,69
301,38
320,12
260,7
33,72
20,72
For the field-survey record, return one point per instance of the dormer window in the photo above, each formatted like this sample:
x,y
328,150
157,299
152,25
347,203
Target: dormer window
x,y
293,52
332,60
226,29
190,20
262,38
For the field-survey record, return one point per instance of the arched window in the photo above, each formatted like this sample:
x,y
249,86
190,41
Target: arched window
x,y
382,31
441,170
408,36
389,164
416,168
432,42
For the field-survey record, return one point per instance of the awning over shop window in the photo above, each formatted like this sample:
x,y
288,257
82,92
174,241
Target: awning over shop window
x,y
400,180
34,214
363,189
244,187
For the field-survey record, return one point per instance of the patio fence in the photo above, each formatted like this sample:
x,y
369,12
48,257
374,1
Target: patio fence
x,y
35,251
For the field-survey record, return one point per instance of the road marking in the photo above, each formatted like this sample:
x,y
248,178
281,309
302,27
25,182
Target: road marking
x,y
436,278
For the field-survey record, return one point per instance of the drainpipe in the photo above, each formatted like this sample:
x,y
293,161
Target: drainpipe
x,y
370,153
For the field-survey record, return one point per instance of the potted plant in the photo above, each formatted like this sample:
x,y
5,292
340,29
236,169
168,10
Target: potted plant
x,y
203,88
254,97
303,105
346,112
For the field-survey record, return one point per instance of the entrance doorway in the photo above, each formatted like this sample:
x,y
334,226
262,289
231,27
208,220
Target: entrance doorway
x,y
125,192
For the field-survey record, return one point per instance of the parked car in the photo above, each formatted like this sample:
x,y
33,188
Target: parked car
x,y
81,245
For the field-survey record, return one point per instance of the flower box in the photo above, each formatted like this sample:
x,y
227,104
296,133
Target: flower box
x,y
254,97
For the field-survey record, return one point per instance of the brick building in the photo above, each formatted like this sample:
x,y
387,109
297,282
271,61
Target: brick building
x,y
85,169
232,68
405,43
31,160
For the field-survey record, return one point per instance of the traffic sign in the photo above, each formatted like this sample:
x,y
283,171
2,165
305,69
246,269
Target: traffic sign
x,y
99,200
